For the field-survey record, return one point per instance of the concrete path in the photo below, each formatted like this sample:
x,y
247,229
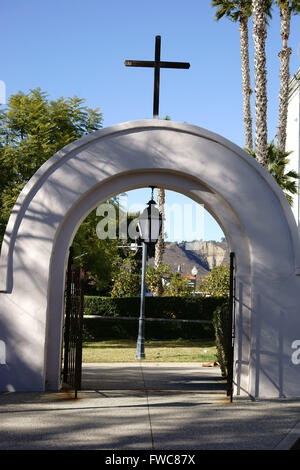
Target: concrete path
x,y
153,376
146,407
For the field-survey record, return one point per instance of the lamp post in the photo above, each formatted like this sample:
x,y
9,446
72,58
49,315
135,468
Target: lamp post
x,y
149,225
194,273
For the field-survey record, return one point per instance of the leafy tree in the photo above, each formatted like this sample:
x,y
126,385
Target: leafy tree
x,y
102,258
154,277
32,129
126,279
178,286
174,285
277,160
95,255
216,283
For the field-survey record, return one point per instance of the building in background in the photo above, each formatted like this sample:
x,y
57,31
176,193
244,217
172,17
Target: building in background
x,y
293,135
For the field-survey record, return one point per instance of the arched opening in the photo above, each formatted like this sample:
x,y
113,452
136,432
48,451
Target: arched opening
x,y
188,338
180,184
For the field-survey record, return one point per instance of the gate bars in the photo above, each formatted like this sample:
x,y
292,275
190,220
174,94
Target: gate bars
x,y
232,291
74,302
73,324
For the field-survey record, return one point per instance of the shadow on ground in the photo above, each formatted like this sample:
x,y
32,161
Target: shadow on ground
x,y
152,377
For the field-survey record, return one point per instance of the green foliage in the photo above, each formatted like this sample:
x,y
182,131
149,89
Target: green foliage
x,y
104,258
96,329
277,163
192,308
126,281
155,274
186,308
174,285
32,129
111,306
216,283
178,286
237,10
96,256
222,326
292,5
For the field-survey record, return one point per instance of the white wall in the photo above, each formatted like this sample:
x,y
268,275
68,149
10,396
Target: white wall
x,y
250,207
293,135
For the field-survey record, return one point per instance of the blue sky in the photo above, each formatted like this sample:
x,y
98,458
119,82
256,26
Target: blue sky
x,y
78,47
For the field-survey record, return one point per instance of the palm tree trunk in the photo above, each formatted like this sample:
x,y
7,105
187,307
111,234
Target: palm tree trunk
x,y
246,86
160,245
259,37
284,56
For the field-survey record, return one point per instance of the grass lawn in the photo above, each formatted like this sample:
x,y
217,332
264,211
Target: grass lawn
x,y
156,351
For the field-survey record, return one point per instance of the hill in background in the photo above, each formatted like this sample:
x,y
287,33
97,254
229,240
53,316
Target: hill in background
x,y
205,255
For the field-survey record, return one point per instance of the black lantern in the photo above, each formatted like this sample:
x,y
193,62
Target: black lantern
x,y
150,223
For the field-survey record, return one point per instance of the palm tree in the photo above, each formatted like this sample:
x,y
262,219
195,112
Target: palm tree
x,y
160,245
259,37
240,11
287,7
276,166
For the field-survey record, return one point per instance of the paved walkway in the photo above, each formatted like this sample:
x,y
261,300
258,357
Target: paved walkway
x,y
149,406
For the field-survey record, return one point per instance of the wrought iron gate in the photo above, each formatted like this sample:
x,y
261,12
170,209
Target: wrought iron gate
x,y
232,289
73,321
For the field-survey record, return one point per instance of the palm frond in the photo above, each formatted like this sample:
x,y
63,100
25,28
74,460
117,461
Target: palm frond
x,y
277,162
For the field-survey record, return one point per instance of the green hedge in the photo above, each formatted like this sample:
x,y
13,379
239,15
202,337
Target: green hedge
x,y
186,308
111,306
96,329
191,308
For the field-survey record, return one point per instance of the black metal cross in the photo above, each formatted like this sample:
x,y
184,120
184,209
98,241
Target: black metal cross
x,y
157,64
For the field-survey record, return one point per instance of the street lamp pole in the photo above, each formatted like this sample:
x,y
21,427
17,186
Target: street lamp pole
x,y
140,347
149,225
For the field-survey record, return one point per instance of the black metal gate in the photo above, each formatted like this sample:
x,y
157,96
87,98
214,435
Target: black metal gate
x,y
232,288
73,321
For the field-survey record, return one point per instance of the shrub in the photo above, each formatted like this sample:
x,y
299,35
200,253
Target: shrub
x,y
216,283
222,326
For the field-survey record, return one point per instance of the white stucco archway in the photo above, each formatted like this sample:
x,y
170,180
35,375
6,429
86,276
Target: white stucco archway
x,y
240,194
